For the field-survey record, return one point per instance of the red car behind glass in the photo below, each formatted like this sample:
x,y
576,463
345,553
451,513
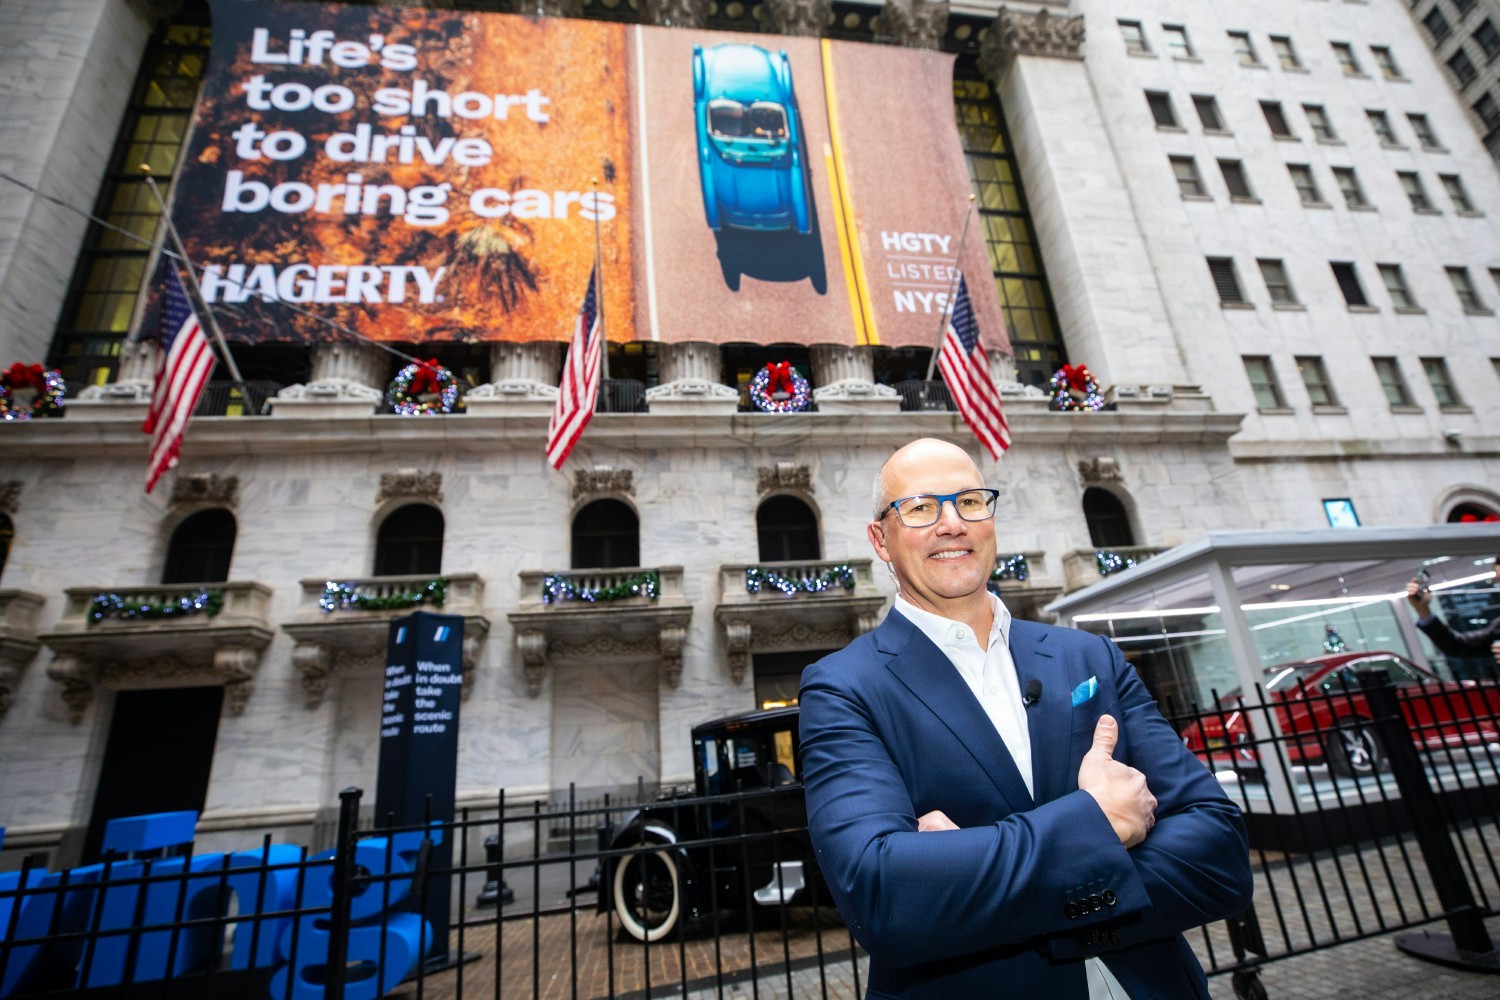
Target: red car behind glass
x,y
1324,716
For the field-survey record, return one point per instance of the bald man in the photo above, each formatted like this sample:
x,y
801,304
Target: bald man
x,y
998,807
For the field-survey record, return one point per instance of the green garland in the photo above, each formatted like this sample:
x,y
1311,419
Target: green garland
x,y
758,578
1112,562
344,597
111,605
559,588
1012,568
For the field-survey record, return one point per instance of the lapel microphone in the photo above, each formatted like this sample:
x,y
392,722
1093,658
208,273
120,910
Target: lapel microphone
x,y
1033,692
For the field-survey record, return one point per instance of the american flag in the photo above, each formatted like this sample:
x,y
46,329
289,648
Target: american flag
x,y
184,361
580,380
966,370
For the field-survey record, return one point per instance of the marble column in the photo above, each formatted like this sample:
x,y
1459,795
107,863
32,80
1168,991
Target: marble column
x,y
690,381
348,380
523,380
845,380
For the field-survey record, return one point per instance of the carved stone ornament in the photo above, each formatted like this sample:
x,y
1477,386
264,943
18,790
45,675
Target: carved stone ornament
x,y
533,645
677,13
236,665
553,8
738,638
802,18
603,480
78,676
1100,470
1018,33
916,24
410,484
783,476
314,661
10,496
667,642
211,489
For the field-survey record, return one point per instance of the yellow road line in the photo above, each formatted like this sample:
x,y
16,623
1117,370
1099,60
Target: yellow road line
x,y
843,210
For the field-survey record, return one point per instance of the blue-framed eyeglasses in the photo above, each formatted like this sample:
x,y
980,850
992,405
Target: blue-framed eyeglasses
x,y
924,509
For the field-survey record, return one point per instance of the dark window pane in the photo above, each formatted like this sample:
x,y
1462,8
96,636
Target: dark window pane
x,y
606,535
201,548
787,529
1109,524
410,542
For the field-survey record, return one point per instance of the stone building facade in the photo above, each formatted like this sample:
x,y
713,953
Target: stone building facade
x,y
1165,149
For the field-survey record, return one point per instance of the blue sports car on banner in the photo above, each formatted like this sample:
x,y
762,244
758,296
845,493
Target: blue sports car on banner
x,y
750,157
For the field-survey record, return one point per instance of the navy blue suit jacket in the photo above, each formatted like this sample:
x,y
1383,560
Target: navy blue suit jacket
x,y
1010,903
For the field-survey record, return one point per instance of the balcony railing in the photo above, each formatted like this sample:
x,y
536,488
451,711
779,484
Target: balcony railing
x,y
622,395
1083,567
917,395
225,399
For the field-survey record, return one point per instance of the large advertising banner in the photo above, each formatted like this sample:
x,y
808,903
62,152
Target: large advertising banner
x,y
421,175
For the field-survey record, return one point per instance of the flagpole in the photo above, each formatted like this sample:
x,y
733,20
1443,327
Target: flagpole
x,y
952,284
599,287
208,314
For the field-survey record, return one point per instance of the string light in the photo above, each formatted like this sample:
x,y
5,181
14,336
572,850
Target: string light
x,y
562,588
1013,568
111,605
1112,562
758,578
347,597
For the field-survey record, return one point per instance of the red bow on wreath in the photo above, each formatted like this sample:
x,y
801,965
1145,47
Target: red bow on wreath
x,y
1077,377
19,376
779,377
425,378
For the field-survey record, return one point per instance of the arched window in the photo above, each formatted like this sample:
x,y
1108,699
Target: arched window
x,y
606,535
788,529
201,548
7,532
1472,513
410,542
1109,524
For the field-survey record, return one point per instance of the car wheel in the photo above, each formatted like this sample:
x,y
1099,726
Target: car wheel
x,y
648,894
1354,751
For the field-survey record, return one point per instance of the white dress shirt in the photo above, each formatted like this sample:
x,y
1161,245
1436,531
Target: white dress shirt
x,y
990,673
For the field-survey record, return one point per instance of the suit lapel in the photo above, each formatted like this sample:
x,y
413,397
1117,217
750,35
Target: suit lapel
x,y
935,682
1048,720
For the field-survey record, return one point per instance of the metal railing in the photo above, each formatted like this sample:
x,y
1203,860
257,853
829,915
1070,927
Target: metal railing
x,y
224,399
917,395
622,395
1395,836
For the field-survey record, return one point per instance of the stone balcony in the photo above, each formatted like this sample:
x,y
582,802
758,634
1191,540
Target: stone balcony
x,y
342,623
140,636
630,612
1083,567
794,605
18,641
1025,584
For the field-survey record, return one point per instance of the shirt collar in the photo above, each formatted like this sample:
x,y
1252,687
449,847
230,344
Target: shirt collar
x,y
940,629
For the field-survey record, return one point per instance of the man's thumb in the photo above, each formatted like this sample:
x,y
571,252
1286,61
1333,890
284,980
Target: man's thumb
x,y
1106,734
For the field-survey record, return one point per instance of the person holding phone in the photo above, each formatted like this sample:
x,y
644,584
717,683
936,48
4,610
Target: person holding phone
x,y
1471,643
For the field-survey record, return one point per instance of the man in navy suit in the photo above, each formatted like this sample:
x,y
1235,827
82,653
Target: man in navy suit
x,y
998,807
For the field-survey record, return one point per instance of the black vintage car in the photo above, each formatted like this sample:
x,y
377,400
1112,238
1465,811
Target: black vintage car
x,y
735,842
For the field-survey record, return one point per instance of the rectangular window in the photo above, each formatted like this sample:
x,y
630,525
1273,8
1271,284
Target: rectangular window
x,y
1487,38
1487,112
1344,53
1276,119
1422,129
1380,124
1135,38
1286,53
1306,183
1315,379
1319,122
1436,25
1162,111
1348,182
1208,113
1177,41
1348,279
1436,370
1415,192
1236,180
1278,284
1386,61
1388,370
1189,181
1244,49
1454,186
1463,287
1263,382
1396,286
1226,280
1462,68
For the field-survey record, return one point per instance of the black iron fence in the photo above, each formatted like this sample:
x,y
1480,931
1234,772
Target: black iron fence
x,y
1372,808
232,399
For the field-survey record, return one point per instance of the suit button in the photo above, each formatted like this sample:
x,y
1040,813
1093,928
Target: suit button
x,y
1110,899
1071,911
1096,903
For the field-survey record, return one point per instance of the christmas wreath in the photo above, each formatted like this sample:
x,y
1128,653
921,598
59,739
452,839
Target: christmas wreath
x,y
1075,388
424,387
777,388
28,391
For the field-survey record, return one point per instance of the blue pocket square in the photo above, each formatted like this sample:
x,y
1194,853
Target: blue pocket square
x,y
1085,691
